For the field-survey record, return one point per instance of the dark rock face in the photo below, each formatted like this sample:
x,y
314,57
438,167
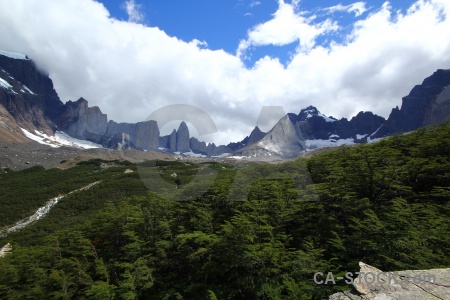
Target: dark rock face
x,y
81,121
147,135
255,136
173,141
197,146
182,137
317,126
142,135
28,95
426,104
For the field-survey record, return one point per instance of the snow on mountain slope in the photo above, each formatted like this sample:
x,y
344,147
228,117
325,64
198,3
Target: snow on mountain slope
x,y
13,55
310,112
5,84
59,139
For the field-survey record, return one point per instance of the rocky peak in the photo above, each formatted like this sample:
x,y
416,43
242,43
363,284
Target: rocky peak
x,y
255,136
173,141
285,139
312,112
426,104
366,122
28,94
26,72
182,137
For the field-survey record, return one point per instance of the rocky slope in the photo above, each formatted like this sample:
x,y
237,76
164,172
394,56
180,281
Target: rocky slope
x,y
28,94
9,130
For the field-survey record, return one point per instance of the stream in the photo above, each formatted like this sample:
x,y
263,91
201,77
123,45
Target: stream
x,y
41,211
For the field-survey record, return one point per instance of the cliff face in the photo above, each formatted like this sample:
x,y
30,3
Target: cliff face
x,y
426,104
147,135
183,138
28,94
81,121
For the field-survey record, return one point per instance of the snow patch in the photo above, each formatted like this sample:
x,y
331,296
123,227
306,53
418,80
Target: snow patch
x,y
59,139
5,84
312,112
29,91
361,136
327,119
314,144
376,131
221,155
237,157
13,55
192,154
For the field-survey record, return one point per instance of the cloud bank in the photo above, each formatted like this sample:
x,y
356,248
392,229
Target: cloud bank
x,y
130,70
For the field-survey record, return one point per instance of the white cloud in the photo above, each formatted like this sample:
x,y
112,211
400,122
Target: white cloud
x,y
134,11
358,8
284,28
130,69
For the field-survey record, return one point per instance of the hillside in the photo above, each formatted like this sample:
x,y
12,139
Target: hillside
x,y
254,231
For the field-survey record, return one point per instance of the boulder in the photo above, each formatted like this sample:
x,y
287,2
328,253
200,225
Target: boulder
x,y
374,284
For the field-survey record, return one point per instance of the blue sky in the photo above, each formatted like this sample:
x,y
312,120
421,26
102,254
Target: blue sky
x,y
223,23
231,57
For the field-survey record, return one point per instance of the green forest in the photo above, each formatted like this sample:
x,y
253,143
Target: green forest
x,y
184,230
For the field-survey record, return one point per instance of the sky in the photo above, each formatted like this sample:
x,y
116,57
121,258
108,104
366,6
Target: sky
x,y
231,58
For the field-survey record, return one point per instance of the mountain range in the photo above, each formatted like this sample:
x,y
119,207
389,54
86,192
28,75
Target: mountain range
x,y
31,108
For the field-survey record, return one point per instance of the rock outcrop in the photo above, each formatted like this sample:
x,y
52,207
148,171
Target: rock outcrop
x,y
28,94
284,140
197,146
315,125
81,121
173,141
183,138
147,135
374,284
255,136
9,130
426,104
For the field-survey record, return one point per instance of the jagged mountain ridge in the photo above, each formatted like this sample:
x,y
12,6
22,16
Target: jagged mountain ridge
x,y
426,104
27,94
